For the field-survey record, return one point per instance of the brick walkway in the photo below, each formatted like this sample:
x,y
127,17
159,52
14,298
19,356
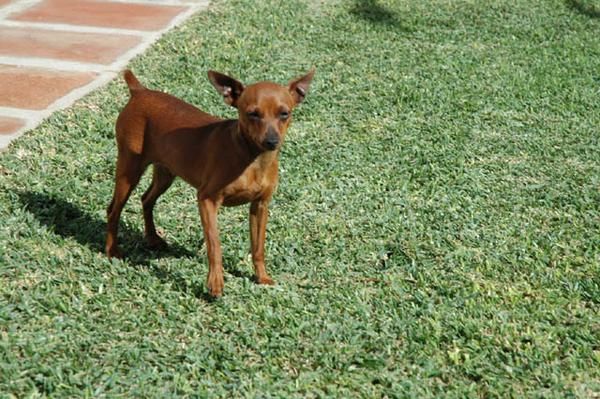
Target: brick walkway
x,y
53,52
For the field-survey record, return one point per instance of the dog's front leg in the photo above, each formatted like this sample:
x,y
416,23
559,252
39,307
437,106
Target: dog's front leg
x,y
259,212
208,213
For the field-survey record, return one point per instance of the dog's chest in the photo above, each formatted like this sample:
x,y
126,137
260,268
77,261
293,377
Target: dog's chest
x,y
255,183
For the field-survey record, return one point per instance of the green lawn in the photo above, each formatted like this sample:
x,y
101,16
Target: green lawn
x,y
436,231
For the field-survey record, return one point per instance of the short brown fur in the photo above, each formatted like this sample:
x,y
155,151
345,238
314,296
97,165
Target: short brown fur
x,y
229,162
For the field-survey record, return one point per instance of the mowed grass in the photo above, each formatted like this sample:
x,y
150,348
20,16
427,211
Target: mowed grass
x,y
436,231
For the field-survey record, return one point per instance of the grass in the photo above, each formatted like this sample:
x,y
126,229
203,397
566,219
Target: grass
x,y
436,231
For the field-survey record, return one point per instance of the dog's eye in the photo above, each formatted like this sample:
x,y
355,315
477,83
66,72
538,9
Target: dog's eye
x,y
254,115
283,115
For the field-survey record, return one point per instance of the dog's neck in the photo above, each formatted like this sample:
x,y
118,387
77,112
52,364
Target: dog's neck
x,y
245,146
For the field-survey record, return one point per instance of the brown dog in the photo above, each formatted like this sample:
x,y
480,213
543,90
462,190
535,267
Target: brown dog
x,y
229,162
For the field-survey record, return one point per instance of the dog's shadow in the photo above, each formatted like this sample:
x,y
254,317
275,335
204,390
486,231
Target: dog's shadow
x,y
67,220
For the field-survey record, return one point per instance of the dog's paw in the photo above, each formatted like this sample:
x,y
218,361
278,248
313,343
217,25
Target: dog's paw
x,y
215,285
156,243
114,252
264,280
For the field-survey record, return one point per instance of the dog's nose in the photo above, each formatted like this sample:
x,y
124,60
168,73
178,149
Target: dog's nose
x,y
271,141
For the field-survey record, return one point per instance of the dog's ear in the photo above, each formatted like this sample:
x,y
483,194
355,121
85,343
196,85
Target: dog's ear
x,y
229,88
299,87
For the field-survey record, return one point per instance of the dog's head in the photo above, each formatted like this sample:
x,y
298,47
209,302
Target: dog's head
x,y
265,108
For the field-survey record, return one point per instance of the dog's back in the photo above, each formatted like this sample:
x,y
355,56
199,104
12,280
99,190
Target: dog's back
x,y
150,114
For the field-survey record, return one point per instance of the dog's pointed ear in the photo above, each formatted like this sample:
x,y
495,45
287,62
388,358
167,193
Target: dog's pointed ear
x,y
299,87
229,88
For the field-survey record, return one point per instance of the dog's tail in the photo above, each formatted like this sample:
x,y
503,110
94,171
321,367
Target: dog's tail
x,y
132,82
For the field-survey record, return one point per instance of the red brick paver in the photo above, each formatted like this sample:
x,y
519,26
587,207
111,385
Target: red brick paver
x,y
10,125
101,13
70,46
37,88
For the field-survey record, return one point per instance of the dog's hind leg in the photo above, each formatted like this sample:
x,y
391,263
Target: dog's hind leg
x,y
162,179
128,173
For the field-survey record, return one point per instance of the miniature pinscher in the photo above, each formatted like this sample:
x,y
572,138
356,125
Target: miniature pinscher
x,y
229,162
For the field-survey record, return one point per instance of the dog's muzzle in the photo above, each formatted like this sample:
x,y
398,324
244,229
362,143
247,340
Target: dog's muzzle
x,y
271,141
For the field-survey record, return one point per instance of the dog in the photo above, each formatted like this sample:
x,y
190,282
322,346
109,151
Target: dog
x,y
229,162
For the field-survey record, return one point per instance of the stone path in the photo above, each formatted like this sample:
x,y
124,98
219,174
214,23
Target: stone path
x,y
53,52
